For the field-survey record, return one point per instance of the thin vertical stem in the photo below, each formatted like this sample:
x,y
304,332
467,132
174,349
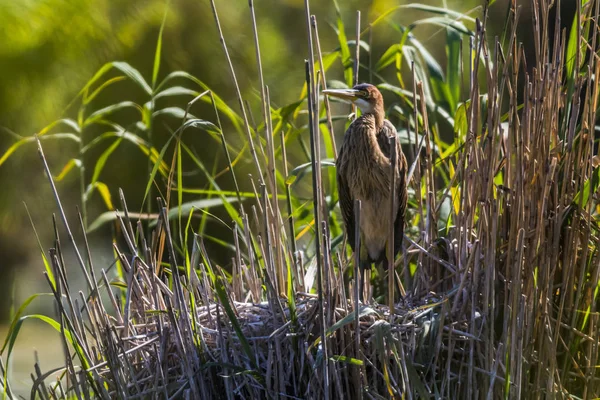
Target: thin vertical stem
x,y
238,93
357,286
390,247
324,84
288,196
356,57
272,172
370,53
357,49
312,116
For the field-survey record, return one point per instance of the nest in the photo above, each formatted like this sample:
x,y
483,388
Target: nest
x,y
266,350
195,341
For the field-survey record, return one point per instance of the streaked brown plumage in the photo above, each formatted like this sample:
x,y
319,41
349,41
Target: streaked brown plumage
x,y
363,173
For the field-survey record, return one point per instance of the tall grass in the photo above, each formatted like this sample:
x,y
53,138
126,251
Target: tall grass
x,y
500,263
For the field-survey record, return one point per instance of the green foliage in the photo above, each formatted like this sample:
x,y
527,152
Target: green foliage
x,y
501,229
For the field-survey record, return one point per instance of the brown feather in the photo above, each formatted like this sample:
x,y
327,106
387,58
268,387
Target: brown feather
x,y
363,167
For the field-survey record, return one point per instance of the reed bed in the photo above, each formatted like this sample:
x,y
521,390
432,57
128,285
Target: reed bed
x,y
500,266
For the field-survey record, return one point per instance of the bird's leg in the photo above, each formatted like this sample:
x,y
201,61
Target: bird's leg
x,y
368,287
361,281
381,267
388,290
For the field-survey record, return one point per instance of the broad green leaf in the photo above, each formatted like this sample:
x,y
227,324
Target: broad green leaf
x,y
179,183
422,7
63,121
433,67
104,193
211,192
303,168
31,139
444,23
101,162
328,61
130,137
203,204
158,162
233,214
590,187
363,45
453,53
73,162
133,74
123,67
345,51
88,99
439,10
389,56
158,51
103,219
62,330
140,143
176,112
17,317
14,148
103,112
188,207
176,91
221,106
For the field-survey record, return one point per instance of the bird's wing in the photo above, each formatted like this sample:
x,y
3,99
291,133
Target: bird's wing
x,y
345,199
401,195
401,198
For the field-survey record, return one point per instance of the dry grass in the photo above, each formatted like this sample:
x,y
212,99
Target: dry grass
x,y
501,265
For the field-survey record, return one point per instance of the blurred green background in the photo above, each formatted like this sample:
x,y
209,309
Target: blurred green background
x,y
49,50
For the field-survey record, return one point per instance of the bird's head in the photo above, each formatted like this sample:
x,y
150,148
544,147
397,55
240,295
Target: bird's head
x,y
366,97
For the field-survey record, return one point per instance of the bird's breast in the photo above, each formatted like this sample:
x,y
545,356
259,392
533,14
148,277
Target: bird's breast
x,y
375,223
368,171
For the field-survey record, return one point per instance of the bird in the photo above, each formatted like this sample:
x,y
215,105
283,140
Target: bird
x,y
363,173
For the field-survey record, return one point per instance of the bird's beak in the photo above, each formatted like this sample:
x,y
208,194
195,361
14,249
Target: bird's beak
x,y
346,94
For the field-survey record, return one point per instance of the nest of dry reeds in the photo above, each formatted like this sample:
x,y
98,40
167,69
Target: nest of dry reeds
x,y
173,333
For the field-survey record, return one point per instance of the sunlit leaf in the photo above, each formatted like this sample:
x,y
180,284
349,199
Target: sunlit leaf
x,y
345,51
133,74
453,52
176,112
30,139
63,121
304,168
95,93
101,162
102,190
176,91
106,111
158,51
445,23
590,187
422,7
73,162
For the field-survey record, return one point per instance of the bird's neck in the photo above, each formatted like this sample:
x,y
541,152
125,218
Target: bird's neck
x,y
369,135
378,117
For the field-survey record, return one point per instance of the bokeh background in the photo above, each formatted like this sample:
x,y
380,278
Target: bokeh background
x,y
49,49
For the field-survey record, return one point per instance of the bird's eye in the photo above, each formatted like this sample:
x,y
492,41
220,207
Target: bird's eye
x,y
365,94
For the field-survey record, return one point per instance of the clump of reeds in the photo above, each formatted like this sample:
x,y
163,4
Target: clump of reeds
x,y
500,265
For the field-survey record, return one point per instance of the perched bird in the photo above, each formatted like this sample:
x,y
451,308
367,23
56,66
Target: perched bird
x,y
363,173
